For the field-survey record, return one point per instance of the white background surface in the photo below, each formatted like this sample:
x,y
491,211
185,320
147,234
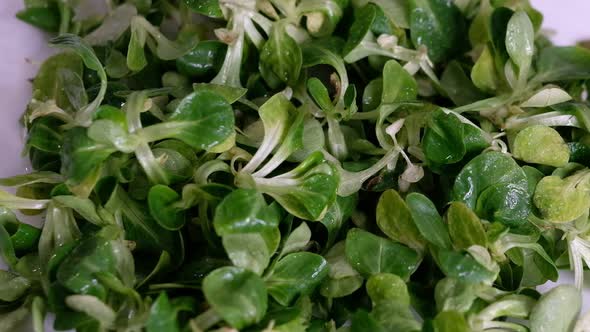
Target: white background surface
x,y
23,48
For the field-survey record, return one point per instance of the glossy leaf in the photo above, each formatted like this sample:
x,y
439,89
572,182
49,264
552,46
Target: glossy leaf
x,y
237,295
464,267
520,39
202,120
296,274
370,254
251,251
443,139
280,57
77,272
206,7
438,25
495,187
242,211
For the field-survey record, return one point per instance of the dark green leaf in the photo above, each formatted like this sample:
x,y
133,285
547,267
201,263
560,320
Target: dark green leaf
x,y
161,201
495,187
438,25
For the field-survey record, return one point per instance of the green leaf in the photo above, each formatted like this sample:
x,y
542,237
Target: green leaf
x,y
237,295
384,287
444,139
230,93
459,86
520,42
562,200
398,11
362,321
393,316
320,95
81,156
395,220
398,85
465,227
46,18
251,251
280,57
77,272
554,151
563,64
31,178
141,228
547,96
317,53
12,286
306,191
438,25
161,201
114,25
337,216
450,321
323,17
370,254
162,316
363,21
342,279
464,267
564,302
242,211
12,320
73,42
46,86
206,7
298,239
495,187
203,61
202,120
84,206
428,221
483,73
294,275
498,27
93,307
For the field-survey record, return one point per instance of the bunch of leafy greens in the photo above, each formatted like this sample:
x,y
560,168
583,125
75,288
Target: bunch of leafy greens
x,y
300,165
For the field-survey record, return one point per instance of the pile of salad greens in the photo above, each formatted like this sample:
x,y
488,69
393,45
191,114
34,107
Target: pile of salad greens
x,y
300,165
